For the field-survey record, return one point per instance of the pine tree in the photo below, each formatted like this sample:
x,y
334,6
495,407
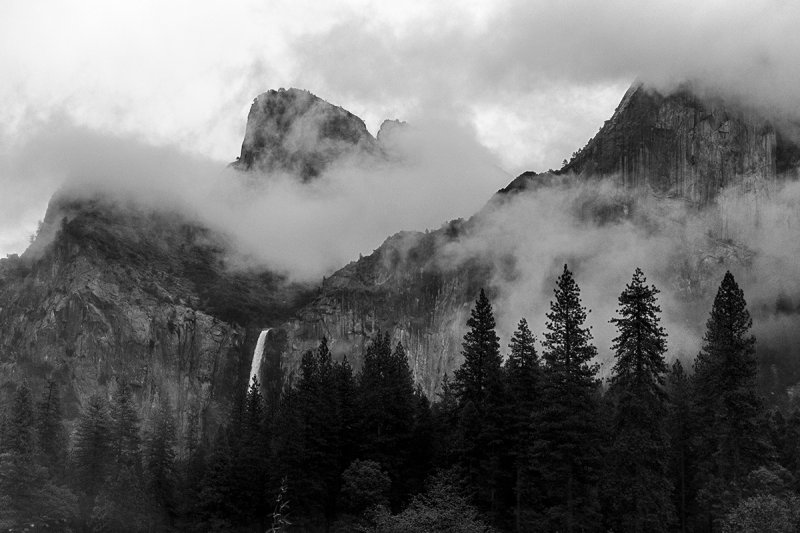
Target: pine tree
x,y
348,413
479,389
637,484
310,439
478,379
159,463
445,413
420,458
567,447
124,430
120,505
20,479
122,499
215,507
51,437
19,435
681,432
730,412
91,452
523,376
192,471
386,408
250,461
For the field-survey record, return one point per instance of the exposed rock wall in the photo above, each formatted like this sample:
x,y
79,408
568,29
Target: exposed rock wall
x,y
679,146
400,289
108,292
295,132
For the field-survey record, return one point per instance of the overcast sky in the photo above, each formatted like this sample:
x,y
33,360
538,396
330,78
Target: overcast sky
x,y
531,80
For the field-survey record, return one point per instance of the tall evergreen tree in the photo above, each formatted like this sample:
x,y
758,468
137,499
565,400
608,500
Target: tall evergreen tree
x,y
91,452
680,426
638,488
733,438
523,376
20,480
311,435
122,499
159,464
478,385
50,434
348,413
386,409
478,379
124,428
28,499
251,461
216,509
445,413
567,447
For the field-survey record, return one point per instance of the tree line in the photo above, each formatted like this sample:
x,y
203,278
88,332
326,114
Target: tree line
x,y
529,441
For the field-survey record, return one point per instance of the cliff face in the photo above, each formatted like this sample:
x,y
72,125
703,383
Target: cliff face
x,y
110,291
682,147
295,132
401,289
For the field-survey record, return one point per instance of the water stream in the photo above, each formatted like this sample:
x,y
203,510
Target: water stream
x,y
258,356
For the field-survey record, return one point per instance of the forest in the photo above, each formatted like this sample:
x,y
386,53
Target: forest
x,y
524,439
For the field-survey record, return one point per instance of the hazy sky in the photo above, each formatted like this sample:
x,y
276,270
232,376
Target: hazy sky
x,y
531,81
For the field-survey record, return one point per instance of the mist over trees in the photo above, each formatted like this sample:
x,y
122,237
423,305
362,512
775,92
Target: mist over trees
x,y
522,439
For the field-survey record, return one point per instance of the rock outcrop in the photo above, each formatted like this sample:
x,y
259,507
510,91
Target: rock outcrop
x,y
112,291
402,289
682,146
292,131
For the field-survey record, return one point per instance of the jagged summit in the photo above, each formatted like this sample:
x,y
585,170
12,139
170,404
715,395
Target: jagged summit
x,y
294,131
682,145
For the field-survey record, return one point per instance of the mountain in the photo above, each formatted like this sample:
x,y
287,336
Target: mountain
x,y
682,146
109,290
293,131
677,146
112,290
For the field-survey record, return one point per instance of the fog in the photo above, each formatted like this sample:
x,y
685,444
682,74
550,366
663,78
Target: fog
x,y
603,233
432,172
517,48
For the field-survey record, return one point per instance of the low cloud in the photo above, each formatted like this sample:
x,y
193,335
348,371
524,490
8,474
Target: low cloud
x,y
604,233
435,171
523,58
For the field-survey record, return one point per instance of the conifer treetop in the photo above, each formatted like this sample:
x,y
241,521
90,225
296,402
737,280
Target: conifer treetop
x,y
566,341
481,351
641,342
727,358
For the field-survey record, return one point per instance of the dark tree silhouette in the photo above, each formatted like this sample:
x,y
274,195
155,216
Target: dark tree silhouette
x,y
567,448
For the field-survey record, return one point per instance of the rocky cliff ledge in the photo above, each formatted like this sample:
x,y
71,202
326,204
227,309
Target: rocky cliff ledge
x,y
679,145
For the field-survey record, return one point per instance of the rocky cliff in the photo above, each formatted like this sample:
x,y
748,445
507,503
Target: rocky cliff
x,y
112,291
679,145
295,132
401,288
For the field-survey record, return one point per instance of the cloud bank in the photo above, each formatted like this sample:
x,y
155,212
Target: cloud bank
x,y
435,171
603,233
534,79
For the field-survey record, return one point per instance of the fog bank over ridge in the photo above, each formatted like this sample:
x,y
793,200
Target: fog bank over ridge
x,y
603,232
433,172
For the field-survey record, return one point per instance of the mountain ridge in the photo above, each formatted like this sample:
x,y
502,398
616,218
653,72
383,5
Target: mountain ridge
x,y
146,296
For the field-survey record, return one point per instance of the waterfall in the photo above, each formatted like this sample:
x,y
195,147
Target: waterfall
x,y
258,355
